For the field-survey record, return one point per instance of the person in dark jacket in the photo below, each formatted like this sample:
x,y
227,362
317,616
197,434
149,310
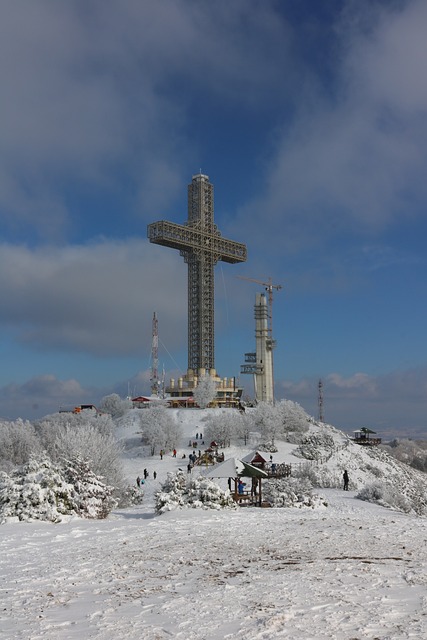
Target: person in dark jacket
x,y
345,478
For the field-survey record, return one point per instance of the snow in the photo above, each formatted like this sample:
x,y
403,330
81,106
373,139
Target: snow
x,y
347,569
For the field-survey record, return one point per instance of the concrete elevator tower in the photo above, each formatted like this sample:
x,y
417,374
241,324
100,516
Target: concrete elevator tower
x,y
202,246
260,363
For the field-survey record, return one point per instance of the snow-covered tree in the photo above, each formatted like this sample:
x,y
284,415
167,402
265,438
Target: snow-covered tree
x,y
156,428
205,391
223,427
18,442
267,420
102,451
243,427
115,405
294,420
49,427
36,491
42,490
94,499
409,451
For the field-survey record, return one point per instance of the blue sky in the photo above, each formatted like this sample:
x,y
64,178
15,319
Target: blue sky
x,y
310,119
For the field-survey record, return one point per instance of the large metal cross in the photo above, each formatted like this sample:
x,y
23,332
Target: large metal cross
x,y
202,246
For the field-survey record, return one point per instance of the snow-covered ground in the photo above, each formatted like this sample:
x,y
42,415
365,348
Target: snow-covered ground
x,y
349,570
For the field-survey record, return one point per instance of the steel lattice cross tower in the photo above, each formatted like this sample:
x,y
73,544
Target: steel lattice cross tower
x,y
202,246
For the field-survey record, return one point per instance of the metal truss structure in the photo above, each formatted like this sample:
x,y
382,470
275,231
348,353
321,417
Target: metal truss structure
x,y
202,246
260,363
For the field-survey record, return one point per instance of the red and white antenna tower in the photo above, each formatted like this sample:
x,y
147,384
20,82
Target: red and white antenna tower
x,y
320,401
155,357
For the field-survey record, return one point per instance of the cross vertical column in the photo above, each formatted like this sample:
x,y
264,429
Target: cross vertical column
x,y
201,245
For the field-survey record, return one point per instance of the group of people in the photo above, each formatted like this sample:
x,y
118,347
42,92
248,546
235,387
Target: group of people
x,y
140,481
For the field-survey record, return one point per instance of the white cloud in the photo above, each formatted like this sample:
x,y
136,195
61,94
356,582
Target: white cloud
x,y
354,159
379,401
41,395
98,298
101,94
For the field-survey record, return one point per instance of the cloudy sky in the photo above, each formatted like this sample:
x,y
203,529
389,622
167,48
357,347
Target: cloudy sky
x,y
310,119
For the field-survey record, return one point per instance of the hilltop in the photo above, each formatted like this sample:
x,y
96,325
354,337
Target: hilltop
x,y
343,568
322,455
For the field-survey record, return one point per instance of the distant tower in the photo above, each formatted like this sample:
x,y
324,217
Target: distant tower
x,y
260,363
155,358
320,401
202,246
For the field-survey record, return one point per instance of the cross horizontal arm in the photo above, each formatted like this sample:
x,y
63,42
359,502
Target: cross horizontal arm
x,y
187,238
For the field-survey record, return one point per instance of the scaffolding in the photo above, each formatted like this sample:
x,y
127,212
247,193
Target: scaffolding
x,y
202,246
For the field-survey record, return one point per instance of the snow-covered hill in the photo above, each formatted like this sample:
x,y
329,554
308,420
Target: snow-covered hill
x,y
324,455
348,570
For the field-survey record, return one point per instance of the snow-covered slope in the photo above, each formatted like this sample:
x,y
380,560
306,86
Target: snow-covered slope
x,y
324,455
348,570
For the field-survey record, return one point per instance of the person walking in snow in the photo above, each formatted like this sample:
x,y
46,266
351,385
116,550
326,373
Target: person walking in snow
x,y
145,474
345,479
138,481
154,474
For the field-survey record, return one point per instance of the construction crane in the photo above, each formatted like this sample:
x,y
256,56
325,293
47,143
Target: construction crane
x,y
269,286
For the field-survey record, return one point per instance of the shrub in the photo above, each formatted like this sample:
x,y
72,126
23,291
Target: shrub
x,y
385,496
291,492
180,492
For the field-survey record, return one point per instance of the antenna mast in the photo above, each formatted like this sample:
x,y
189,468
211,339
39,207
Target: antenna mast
x,y
155,357
320,401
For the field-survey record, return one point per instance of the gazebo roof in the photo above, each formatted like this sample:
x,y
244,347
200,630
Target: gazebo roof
x,y
226,469
250,471
365,430
254,456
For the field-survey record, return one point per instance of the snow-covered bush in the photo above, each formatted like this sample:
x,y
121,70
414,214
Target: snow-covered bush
x,y
131,496
316,446
306,471
94,499
36,491
180,491
291,492
42,490
374,470
267,446
386,496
